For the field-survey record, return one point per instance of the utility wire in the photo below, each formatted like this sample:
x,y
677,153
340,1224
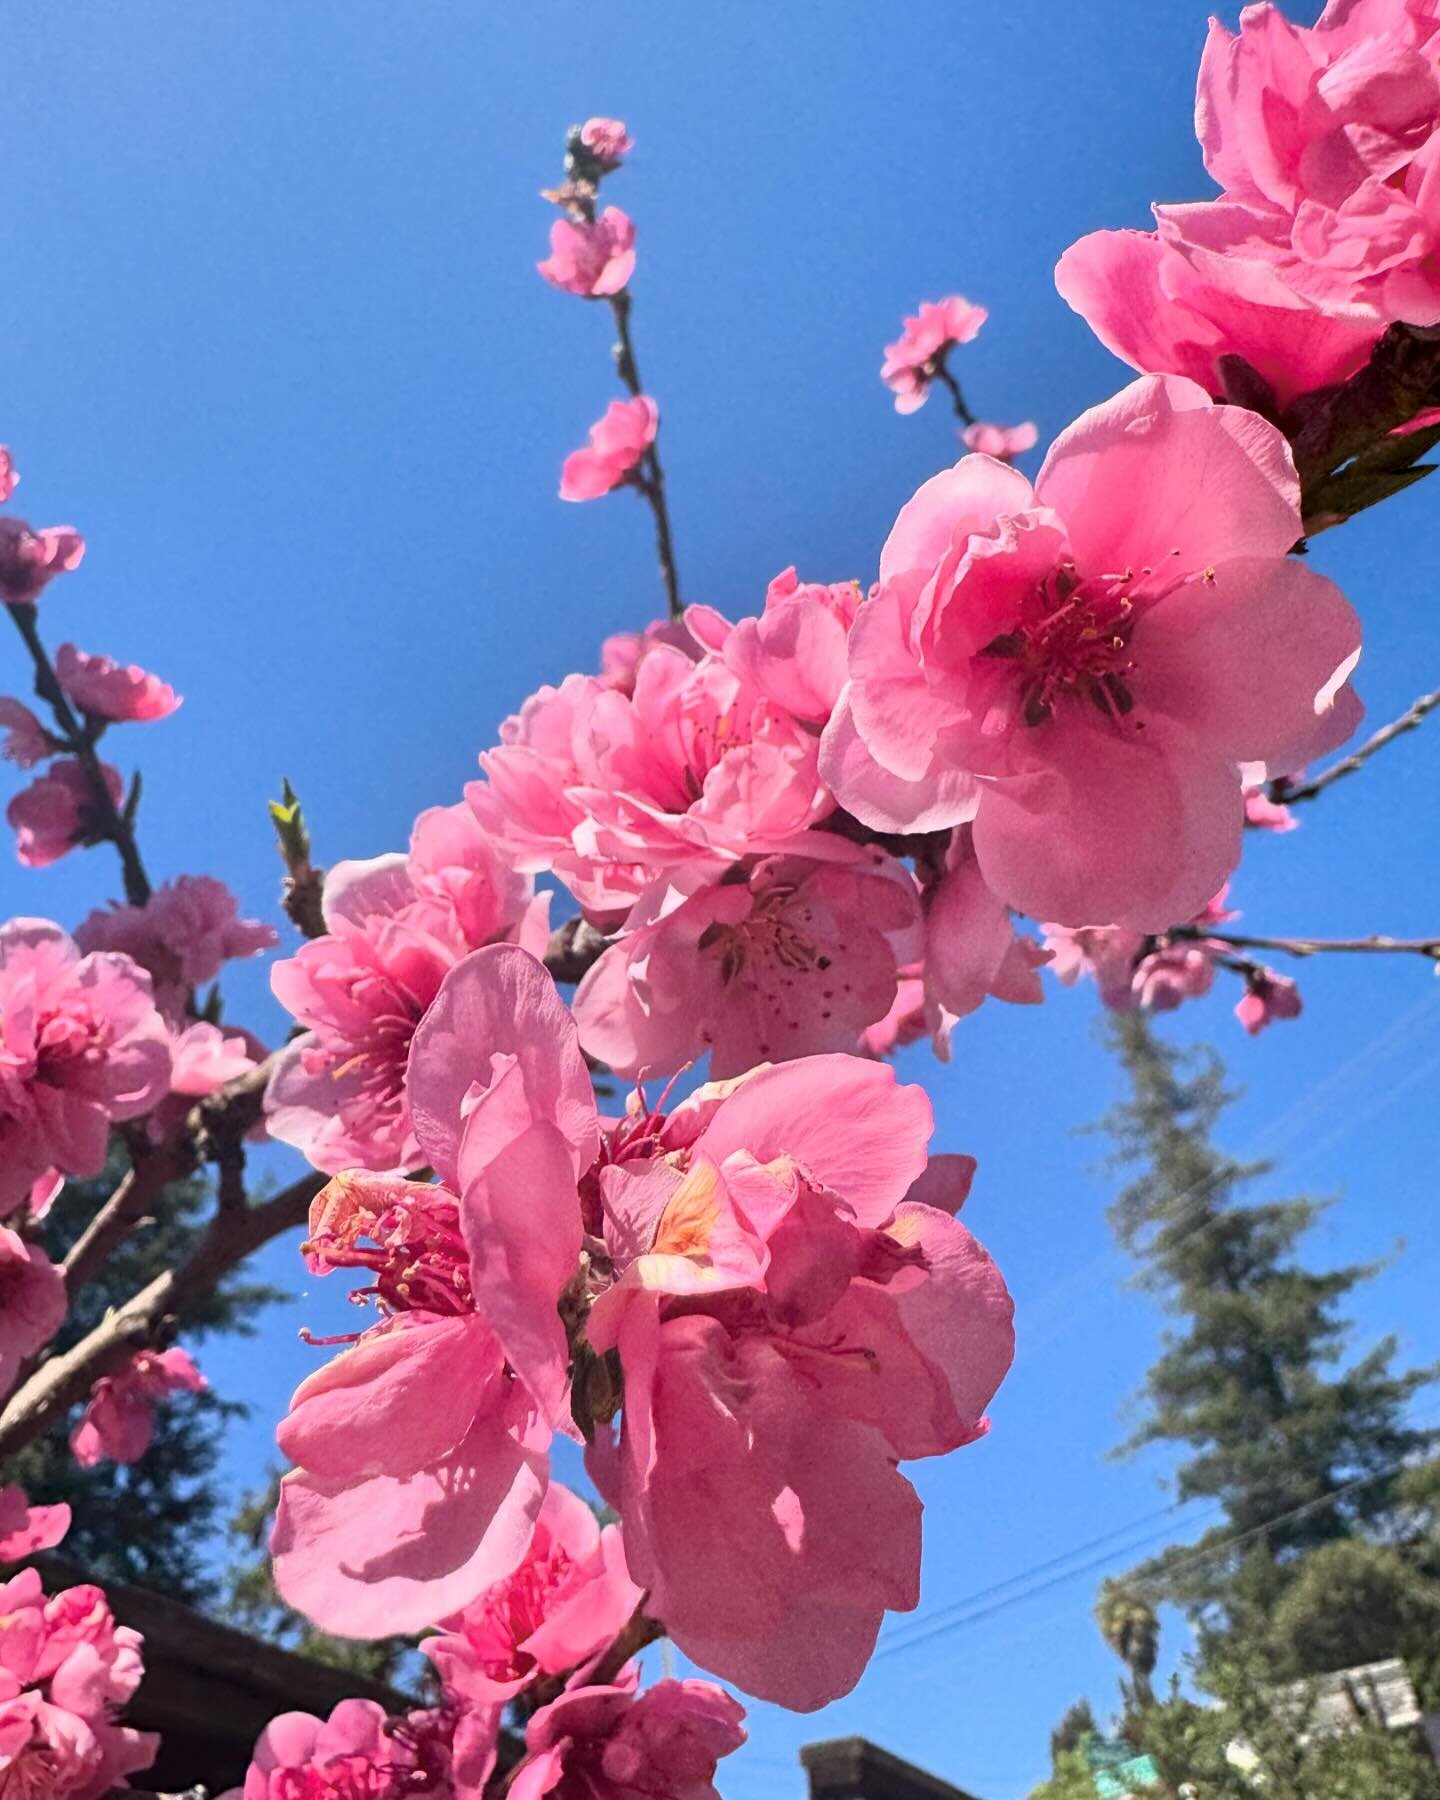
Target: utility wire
x,y
906,1628
1201,1554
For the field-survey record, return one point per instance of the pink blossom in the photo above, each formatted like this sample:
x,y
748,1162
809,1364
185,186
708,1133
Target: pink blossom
x,y
1081,668
1261,812
456,863
795,1310
1324,140
30,559
421,1451
911,361
1267,997
617,447
612,790
53,814
795,958
592,258
203,1057
569,1599
794,652
1003,442
622,654
972,949
1172,975
45,1190
905,1023
111,690
1106,953
32,1303
607,141
81,1047
793,1305
395,926
24,1529
610,1743
119,1418
183,935
357,1754
9,474
26,740
66,1669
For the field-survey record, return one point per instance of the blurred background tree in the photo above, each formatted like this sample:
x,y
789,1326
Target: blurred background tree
x,y
159,1522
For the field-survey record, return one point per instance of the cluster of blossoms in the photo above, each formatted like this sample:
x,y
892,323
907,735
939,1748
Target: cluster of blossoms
x,y
1159,973
66,1669
743,1258
919,357
1324,142
798,840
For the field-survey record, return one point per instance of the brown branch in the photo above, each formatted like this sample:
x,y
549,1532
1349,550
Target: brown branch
x,y
1284,793
149,1315
574,947
652,477
942,374
1295,946
125,1208
111,821
637,1632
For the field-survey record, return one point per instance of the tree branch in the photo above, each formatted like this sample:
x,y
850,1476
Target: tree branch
x,y
110,820
574,947
61,1382
1285,793
1294,946
652,481
942,374
146,1177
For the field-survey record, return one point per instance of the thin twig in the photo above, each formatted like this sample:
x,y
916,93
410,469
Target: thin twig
x,y
942,374
109,818
149,1315
1283,793
652,481
1296,946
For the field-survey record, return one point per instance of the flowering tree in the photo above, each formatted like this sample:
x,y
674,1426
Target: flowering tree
x,y
789,842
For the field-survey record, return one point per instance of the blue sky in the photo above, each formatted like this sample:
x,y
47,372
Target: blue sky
x,y
270,334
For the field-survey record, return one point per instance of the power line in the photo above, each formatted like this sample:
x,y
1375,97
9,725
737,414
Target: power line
x,y
1274,1137
925,1620
1199,1555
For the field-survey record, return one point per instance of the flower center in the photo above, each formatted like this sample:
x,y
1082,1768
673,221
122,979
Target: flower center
x,y
1072,640
411,1243
514,1609
768,934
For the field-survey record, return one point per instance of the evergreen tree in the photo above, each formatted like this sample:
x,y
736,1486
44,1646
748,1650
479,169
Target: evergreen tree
x,y
154,1522
1077,1723
1299,1451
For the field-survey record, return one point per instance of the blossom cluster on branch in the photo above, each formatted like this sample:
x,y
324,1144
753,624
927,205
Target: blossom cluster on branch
x,y
788,839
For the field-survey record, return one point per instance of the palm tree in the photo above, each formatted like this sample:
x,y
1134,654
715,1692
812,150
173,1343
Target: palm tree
x,y
1129,1626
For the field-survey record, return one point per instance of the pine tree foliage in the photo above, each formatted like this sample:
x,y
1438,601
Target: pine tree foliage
x,y
1299,1449
156,1522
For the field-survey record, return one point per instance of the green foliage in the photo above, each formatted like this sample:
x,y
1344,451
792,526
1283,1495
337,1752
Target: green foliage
x,y
1299,1451
1253,1742
1070,1778
1076,1724
253,1603
152,1523
1329,1550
